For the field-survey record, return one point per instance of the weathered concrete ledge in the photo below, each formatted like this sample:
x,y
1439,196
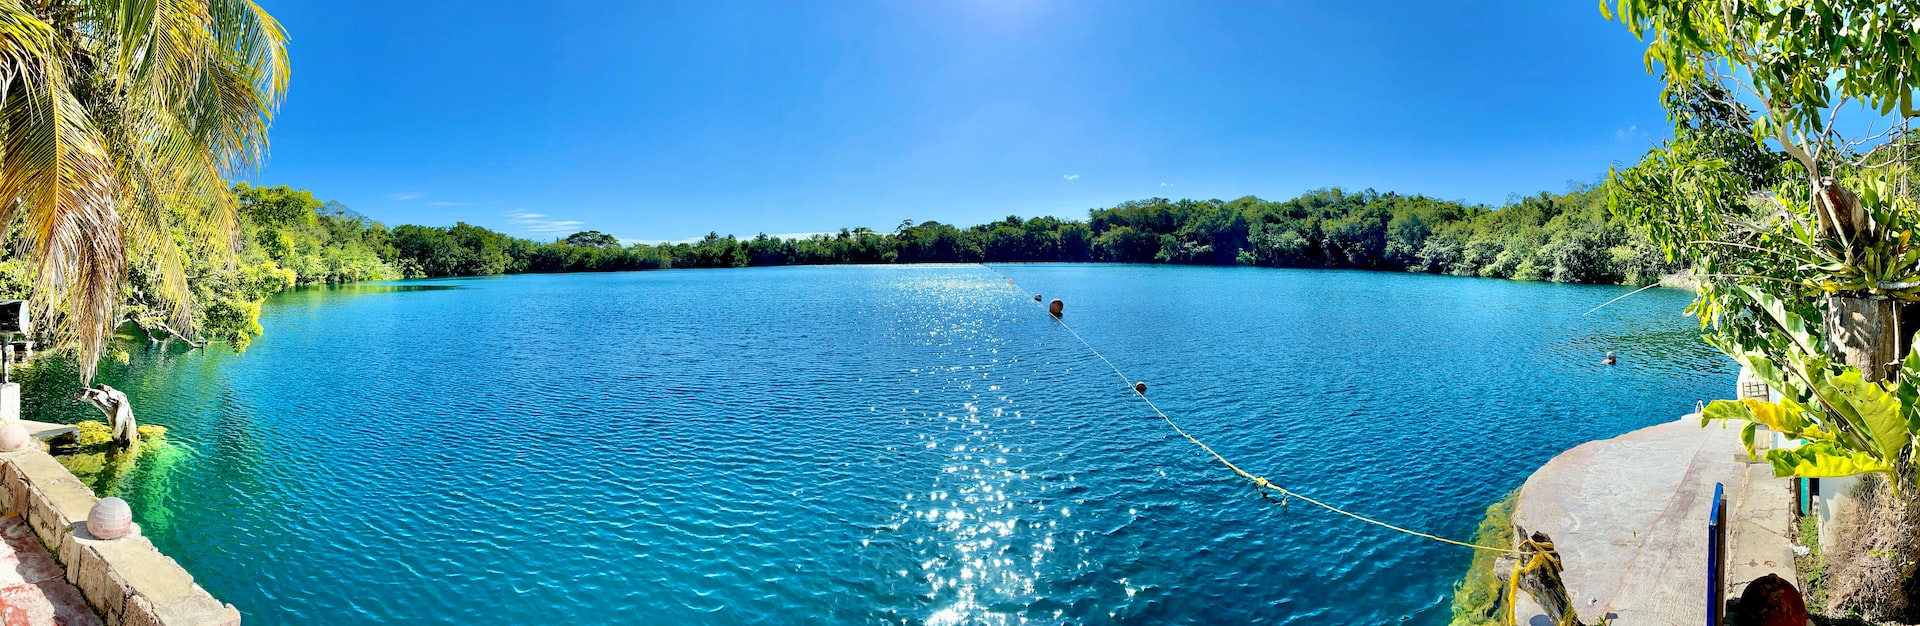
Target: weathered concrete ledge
x,y
1628,517
127,581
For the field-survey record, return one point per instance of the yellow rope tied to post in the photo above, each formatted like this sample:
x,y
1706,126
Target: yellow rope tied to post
x,y
1542,558
1259,482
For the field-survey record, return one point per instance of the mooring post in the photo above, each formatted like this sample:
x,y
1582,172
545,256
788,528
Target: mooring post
x,y
1538,567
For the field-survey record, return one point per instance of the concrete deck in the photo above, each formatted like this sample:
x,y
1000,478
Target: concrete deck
x,y
44,430
1628,516
33,586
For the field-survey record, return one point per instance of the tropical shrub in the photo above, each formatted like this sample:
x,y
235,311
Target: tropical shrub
x,y
1850,425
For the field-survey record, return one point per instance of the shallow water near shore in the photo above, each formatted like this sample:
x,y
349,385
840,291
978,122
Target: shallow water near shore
x,y
915,444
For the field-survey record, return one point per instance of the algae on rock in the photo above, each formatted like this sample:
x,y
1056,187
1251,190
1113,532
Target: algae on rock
x,y
1479,596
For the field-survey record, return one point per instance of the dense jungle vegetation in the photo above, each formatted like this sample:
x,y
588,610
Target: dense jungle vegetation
x,y
291,238
1564,238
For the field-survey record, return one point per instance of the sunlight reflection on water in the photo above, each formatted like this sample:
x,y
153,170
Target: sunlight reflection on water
x,y
880,444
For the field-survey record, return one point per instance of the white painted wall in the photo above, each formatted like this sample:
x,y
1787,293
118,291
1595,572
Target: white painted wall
x,y
1836,500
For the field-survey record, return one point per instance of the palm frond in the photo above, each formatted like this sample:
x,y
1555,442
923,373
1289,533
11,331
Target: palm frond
x,y
121,122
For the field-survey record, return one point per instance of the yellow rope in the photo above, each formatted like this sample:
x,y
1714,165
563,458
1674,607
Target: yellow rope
x,y
1542,557
1257,481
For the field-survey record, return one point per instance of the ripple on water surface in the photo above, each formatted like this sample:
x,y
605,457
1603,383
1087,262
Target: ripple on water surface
x,y
880,444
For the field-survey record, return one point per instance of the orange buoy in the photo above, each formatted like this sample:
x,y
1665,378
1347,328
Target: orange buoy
x,y
1056,307
1140,388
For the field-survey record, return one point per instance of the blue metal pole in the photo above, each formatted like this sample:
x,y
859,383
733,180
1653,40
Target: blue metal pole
x,y
1716,554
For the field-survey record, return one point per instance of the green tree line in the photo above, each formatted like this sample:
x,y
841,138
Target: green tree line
x,y
1568,237
289,237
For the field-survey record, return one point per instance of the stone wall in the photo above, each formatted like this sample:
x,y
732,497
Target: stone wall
x,y
126,580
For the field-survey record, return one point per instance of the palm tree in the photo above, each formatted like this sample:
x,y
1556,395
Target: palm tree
x,y
120,123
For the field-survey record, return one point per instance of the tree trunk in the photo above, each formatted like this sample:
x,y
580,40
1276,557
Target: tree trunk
x,y
1841,213
1864,333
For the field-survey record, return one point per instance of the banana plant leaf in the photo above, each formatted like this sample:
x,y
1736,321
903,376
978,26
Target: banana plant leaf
x,y
1868,409
1822,459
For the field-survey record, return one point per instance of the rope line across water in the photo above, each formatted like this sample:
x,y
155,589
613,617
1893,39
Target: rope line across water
x,y
1259,482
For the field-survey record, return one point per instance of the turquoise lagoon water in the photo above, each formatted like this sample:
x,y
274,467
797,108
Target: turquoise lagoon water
x,y
879,444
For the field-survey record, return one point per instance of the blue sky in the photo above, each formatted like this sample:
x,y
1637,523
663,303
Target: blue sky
x,y
663,121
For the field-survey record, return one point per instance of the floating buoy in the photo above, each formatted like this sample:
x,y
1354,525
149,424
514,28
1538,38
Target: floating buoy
x,y
1140,388
1056,307
1036,297
1009,281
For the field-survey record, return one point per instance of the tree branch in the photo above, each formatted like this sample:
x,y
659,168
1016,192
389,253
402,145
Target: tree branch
x,y
150,326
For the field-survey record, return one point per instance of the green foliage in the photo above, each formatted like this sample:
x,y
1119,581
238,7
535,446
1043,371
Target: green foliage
x,y
124,122
592,239
290,238
319,242
93,433
1775,207
1850,425
16,280
276,207
1126,245
1817,215
1801,57
1823,459
1811,566
287,238
1567,238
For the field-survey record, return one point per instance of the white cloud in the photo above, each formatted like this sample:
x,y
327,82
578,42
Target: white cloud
x,y
1071,177
405,196
1165,185
538,223
1630,132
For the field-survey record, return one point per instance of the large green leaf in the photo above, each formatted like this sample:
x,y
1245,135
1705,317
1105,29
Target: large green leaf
x,y
1868,410
1810,429
1725,410
1765,368
1786,417
1908,389
1756,411
1787,322
1822,459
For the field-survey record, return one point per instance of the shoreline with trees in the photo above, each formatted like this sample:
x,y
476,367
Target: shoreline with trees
x,y
290,238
